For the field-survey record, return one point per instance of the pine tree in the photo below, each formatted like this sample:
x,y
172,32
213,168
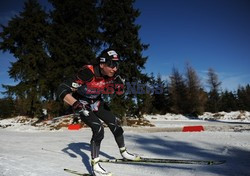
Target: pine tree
x,y
25,37
7,107
247,101
195,95
73,39
178,92
228,102
160,98
243,95
213,95
120,32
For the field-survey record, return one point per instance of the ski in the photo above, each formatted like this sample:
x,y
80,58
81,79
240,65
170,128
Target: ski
x,y
76,172
164,161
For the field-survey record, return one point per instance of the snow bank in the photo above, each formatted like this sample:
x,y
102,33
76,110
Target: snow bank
x,y
234,116
22,123
167,116
19,123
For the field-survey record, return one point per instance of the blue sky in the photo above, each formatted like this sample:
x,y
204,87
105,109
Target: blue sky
x,y
204,33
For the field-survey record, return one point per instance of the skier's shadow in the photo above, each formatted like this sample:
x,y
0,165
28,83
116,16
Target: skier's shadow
x,y
75,149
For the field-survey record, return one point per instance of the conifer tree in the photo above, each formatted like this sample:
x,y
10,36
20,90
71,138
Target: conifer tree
x,y
24,37
145,104
73,39
228,102
120,32
195,95
178,92
243,95
7,107
160,98
247,98
213,95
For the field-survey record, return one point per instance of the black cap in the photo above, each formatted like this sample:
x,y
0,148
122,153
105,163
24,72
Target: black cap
x,y
108,55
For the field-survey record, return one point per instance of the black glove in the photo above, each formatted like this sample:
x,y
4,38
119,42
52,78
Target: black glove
x,y
81,108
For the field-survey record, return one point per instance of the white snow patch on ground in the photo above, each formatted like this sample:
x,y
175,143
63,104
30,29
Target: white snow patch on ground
x,y
48,153
168,119
235,116
26,150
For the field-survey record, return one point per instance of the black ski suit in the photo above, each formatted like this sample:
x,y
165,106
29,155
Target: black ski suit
x,y
79,86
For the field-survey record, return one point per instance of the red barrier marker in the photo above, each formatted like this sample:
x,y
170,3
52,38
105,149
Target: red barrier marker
x,y
192,129
74,127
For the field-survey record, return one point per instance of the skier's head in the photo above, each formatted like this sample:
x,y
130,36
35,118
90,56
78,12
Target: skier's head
x,y
109,62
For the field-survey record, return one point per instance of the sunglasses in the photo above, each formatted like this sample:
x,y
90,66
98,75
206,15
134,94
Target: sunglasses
x,y
112,64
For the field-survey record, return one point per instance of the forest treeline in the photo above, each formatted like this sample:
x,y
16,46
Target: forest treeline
x,y
50,45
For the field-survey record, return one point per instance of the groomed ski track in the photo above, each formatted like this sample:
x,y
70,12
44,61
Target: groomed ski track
x,y
39,153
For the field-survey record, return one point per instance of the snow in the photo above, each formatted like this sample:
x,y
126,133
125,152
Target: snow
x,y
234,116
26,150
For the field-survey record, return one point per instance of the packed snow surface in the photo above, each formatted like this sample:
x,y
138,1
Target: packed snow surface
x,y
31,151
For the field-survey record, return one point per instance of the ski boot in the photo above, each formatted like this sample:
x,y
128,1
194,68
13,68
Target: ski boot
x,y
128,156
97,168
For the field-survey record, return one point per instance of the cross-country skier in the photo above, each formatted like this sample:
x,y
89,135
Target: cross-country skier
x,y
83,92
